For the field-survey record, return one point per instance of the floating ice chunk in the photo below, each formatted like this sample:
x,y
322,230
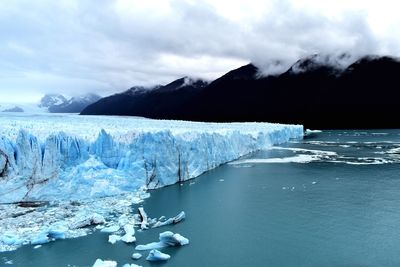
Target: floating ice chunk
x,y
129,234
37,246
221,180
128,228
110,229
131,265
9,262
314,182
143,216
156,255
101,263
172,239
136,256
174,220
128,238
93,219
153,245
114,238
167,238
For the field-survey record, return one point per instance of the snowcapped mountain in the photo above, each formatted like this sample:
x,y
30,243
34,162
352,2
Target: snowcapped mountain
x,y
50,100
56,103
319,91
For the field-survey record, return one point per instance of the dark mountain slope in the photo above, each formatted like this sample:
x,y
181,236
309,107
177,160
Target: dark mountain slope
x,y
313,93
151,102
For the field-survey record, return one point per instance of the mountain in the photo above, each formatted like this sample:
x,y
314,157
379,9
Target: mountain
x,y
149,102
56,103
319,92
14,109
50,100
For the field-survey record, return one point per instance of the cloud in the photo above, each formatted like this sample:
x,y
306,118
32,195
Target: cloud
x,y
72,46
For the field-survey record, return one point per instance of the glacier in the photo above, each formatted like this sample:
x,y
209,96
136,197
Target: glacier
x,y
68,157
91,169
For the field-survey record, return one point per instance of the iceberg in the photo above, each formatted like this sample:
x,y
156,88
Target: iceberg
x,y
136,256
167,238
171,239
64,157
113,238
156,255
177,219
129,234
101,263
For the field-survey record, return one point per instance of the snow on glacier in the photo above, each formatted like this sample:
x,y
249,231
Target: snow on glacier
x,y
69,160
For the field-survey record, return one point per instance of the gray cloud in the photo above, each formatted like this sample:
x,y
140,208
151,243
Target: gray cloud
x,y
103,46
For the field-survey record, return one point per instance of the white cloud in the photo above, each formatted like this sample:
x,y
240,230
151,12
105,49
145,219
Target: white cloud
x,y
73,46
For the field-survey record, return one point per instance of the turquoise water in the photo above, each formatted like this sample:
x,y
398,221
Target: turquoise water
x,y
336,208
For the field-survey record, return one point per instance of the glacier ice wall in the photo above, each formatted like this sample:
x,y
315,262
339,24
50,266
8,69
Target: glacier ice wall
x,y
53,157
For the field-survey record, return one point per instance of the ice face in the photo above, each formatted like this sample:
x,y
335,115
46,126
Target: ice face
x,y
49,157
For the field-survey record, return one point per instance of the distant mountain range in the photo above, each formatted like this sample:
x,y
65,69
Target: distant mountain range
x,y
53,103
318,92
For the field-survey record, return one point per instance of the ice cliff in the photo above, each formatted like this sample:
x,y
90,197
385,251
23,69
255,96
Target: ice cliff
x,y
54,157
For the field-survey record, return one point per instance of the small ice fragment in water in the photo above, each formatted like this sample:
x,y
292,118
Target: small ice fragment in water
x,y
9,262
136,256
167,238
101,263
114,238
284,187
314,182
221,180
156,255
172,239
130,265
37,246
174,220
129,234
143,217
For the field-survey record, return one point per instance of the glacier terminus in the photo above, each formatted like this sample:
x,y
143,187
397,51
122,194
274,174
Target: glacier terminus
x,y
64,158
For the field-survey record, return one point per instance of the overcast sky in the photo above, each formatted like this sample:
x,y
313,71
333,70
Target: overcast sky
x,y
101,46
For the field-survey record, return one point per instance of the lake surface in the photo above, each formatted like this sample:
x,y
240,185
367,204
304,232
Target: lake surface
x,y
332,199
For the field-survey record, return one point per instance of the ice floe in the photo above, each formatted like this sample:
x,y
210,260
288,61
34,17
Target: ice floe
x,y
167,238
106,263
136,256
174,220
155,255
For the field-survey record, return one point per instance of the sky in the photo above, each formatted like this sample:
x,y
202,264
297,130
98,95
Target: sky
x,y
104,46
